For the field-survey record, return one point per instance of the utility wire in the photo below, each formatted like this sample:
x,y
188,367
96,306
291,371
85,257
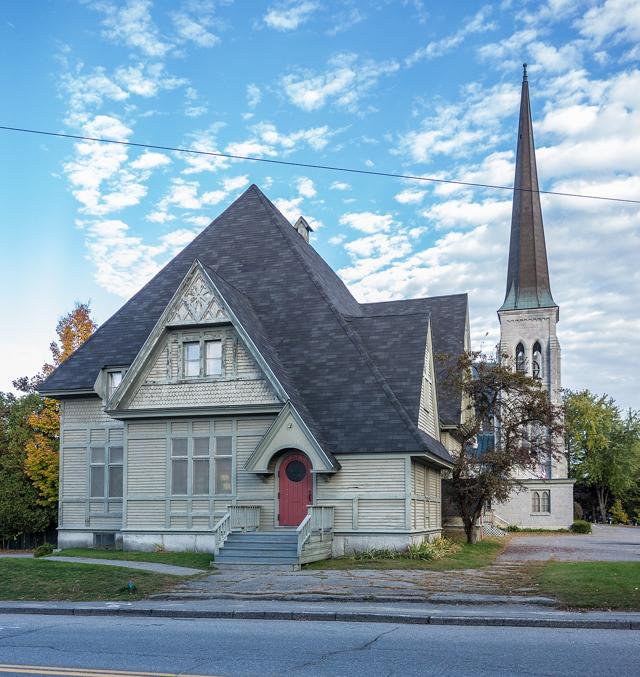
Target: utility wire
x,y
307,165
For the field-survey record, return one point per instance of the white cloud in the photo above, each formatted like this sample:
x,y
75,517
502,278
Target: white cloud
x,y
235,183
147,80
290,207
410,196
204,141
254,95
195,30
132,25
150,160
339,185
367,222
372,253
287,16
87,91
615,20
305,187
346,82
478,23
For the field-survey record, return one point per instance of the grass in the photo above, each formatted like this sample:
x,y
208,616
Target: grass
x,y
480,554
593,585
39,579
194,560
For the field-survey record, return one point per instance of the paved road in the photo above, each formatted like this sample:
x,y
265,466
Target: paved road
x,y
234,648
604,544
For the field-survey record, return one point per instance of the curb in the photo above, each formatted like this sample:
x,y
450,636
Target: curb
x,y
437,598
337,616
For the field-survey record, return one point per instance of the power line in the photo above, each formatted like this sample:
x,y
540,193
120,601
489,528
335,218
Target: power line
x,y
308,165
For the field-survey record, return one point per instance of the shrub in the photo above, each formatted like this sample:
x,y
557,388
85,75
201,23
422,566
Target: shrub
x,y
581,527
43,550
618,513
433,550
513,528
376,554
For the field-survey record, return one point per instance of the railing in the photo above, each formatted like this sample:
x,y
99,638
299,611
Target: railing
x,y
244,517
498,521
221,530
319,519
303,532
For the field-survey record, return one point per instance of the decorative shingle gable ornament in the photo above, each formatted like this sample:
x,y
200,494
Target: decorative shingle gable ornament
x,y
198,305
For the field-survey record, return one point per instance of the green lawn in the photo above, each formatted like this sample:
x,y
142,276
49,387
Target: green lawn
x,y
593,585
194,560
39,579
480,554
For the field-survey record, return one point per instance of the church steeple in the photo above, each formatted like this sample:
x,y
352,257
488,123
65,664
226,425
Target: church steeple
x,y
528,274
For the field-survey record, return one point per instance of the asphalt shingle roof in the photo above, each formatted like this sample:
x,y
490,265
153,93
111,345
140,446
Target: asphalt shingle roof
x,y
352,370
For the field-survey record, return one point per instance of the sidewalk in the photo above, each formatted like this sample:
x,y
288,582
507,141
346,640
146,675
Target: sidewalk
x,y
513,615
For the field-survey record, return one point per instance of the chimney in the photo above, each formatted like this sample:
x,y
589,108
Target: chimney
x,y
303,228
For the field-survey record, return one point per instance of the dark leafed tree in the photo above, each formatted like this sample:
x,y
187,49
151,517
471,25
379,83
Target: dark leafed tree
x,y
508,425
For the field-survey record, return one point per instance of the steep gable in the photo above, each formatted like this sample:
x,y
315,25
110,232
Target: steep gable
x,y
295,308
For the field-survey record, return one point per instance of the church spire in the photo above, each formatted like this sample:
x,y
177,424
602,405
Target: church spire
x,y
528,274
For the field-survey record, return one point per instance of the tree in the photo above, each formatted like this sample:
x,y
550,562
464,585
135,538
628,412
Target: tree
x,y
41,448
19,509
605,446
508,425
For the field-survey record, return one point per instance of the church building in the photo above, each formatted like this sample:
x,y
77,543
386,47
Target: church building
x,y
244,403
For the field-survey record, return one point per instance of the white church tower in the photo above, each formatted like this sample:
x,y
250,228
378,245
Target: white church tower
x,y
528,319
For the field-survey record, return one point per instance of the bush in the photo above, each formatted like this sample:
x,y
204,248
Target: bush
x,y
376,553
43,550
513,528
618,513
581,527
433,550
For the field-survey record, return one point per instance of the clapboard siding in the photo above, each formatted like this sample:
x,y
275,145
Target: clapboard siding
x,y
145,514
426,497
147,466
73,515
74,472
367,474
86,412
381,514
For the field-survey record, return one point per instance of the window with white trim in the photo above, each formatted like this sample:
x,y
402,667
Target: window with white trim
x,y
541,501
105,471
193,474
213,358
114,379
191,358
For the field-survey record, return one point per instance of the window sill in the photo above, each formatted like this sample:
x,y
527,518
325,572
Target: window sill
x,y
538,514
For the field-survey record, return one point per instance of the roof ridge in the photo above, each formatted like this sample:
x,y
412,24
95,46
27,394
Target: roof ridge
x,y
351,334
349,318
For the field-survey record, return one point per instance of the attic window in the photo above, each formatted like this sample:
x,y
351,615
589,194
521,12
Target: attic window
x,y
213,358
191,358
114,379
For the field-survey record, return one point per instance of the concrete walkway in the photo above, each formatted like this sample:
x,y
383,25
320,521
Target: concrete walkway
x,y
127,564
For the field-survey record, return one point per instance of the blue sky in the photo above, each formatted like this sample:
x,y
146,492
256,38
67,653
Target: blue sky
x,y
415,87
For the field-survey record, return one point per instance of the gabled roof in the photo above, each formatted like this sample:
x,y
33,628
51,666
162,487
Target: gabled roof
x,y
302,321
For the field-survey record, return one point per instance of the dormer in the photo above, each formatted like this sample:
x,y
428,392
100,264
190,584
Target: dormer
x,y
303,228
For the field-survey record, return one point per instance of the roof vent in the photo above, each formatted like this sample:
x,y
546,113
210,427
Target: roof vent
x,y
303,228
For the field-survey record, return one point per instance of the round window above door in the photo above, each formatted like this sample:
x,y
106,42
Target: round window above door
x,y
295,470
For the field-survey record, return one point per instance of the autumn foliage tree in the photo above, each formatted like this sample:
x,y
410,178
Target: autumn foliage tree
x,y
519,427
41,448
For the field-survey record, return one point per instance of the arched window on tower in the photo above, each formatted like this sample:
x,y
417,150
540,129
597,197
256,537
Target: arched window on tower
x,y
521,360
536,361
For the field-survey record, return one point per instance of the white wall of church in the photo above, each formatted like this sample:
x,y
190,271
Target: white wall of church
x,y
520,508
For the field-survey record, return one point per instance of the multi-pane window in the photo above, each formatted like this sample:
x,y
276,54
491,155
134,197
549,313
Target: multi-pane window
x,y
202,358
521,360
191,358
105,472
536,361
114,379
541,501
191,469
213,358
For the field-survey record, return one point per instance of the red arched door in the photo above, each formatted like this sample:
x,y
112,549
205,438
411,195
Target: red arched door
x,y
296,489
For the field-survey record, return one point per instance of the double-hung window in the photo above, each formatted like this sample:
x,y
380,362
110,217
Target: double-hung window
x,y
105,472
191,358
202,358
192,473
114,379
